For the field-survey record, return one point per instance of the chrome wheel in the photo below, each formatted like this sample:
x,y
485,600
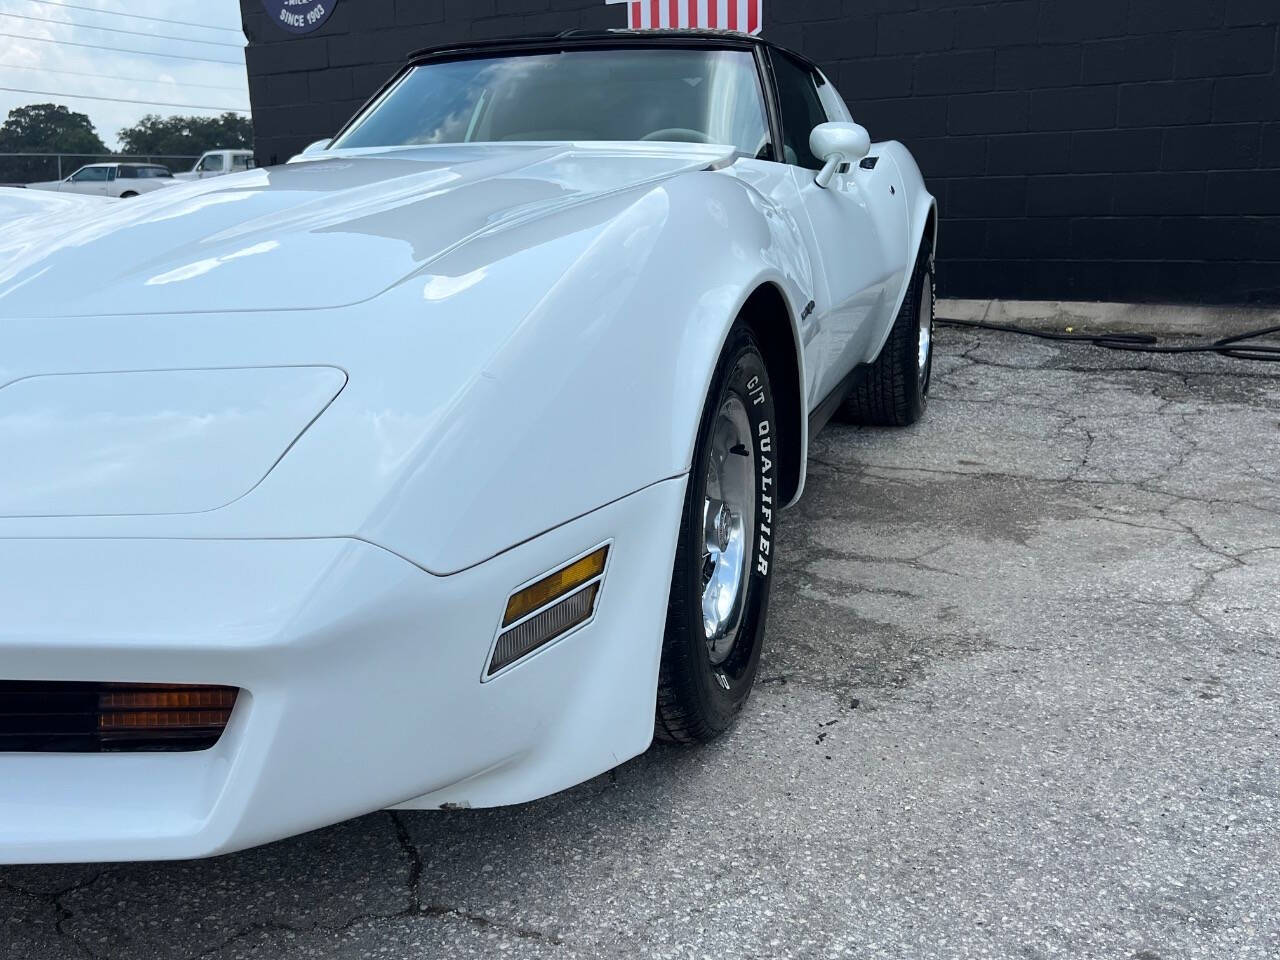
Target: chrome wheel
x,y
728,519
719,589
925,339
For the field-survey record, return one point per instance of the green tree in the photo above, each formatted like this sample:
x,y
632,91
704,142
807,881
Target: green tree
x,y
191,136
45,128
48,128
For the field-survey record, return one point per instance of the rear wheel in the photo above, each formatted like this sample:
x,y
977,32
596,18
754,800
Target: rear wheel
x,y
724,563
127,194
894,390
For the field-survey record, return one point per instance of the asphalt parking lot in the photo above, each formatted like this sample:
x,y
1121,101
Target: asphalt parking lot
x,y
1021,699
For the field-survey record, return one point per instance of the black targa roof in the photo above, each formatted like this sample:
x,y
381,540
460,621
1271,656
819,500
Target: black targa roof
x,y
604,39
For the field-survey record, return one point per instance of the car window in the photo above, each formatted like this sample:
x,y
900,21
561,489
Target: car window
x,y
211,163
832,103
89,175
128,173
699,96
801,109
241,162
153,172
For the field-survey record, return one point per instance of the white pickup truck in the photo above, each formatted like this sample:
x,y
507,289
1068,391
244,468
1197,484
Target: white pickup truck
x,y
216,163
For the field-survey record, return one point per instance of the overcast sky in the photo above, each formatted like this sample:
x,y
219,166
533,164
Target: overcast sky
x,y
29,64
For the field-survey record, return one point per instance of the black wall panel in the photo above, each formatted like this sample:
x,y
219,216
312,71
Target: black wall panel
x,y
1080,149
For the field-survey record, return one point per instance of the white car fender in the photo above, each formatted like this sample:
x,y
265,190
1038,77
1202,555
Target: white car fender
x,y
922,213
922,207
598,311
618,355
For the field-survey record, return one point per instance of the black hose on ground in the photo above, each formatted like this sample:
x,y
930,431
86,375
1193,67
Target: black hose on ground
x,y
1237,347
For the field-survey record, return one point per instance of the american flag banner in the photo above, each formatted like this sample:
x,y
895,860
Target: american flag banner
x,y
743,15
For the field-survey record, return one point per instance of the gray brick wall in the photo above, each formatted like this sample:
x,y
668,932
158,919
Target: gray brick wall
x,y
1081,149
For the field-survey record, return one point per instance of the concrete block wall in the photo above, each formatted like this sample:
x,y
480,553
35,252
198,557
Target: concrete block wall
x,y
1122,150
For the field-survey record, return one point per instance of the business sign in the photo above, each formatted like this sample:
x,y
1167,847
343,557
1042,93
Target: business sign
x,y
299,16
742,15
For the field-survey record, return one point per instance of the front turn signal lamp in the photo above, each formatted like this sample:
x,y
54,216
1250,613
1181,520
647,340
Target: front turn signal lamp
x,y
549,608
554,586
38,716
153,710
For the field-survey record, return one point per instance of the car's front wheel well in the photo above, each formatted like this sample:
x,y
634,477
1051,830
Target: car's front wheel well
x,y
930,239
766,314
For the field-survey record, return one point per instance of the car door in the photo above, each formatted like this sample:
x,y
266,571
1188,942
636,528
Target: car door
x,y
849,220
120,180
210,166
89,180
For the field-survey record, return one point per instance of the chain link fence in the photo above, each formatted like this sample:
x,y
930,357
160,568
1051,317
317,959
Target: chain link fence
x,y
23,168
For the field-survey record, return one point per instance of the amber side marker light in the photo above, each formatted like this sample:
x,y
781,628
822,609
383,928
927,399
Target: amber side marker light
x,y
554,586
55,717
543,611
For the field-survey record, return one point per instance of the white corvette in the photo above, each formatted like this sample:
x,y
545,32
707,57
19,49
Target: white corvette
x,y
440,467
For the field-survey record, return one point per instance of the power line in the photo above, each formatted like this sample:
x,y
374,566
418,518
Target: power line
x,y
133,16
135,33
105,76
145,103
99,46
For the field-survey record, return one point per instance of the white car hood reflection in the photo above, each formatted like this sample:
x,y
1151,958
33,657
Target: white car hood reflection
x,y
282,238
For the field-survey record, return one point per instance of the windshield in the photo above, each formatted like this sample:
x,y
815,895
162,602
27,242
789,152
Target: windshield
x,y
697,96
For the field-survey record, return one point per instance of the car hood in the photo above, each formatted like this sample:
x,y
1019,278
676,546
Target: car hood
x,y
44,185
324,232
20,209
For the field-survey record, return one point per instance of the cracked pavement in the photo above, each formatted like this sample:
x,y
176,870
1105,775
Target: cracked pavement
x,y
1019,699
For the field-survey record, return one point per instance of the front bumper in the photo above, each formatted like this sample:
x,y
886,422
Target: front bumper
x,y
360,678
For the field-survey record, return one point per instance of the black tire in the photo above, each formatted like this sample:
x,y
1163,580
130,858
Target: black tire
x,y
127,195
699,700
894,391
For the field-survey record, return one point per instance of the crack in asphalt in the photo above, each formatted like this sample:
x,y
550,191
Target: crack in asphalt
x,y
250,930
816,551
413,910
412,855
523,933
1236,369
53,900
867,468
1174,426
894,625
1179,527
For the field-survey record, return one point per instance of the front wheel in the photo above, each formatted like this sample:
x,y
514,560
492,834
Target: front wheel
x,y
724,559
